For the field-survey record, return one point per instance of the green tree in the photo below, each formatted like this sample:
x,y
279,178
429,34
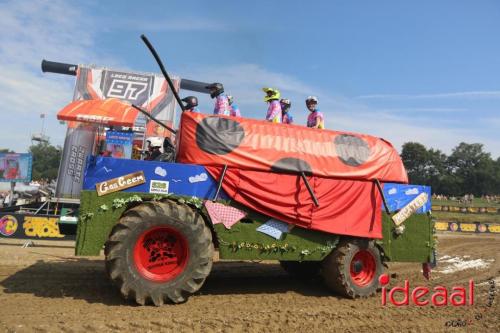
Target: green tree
x,y
436,170
415,158
46,159
473,168
425,167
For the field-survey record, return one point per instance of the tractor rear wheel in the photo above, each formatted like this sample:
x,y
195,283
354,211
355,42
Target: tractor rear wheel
x,y
159,251
353,268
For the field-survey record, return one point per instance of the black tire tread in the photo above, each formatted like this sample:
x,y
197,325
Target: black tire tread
x,y
335,269
116,263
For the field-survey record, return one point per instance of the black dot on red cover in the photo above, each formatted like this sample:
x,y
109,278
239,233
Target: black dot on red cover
x,y
352,150
219,136
291,165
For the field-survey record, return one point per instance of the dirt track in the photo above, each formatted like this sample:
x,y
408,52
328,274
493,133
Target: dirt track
x,y
46,289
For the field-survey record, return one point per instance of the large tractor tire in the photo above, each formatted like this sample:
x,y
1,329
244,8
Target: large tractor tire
x,y
302,270
353,268
159,251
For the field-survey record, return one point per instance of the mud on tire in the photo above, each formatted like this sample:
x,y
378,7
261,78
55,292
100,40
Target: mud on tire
x,y
352,269
159,251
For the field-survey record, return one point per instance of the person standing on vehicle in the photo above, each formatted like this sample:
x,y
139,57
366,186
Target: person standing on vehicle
x,y
235,110
221,102
272,97
315,118
191,104
154,148
285,109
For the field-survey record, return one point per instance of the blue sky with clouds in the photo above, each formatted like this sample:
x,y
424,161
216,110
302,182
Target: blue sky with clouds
x,y
425,71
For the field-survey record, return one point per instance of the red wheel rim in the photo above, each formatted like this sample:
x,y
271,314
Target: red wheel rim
x,y
363,268
160,254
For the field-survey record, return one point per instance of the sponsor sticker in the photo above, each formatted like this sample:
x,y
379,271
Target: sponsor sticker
x,y
120,183
158,186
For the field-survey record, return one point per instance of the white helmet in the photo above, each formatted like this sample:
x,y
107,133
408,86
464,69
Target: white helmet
x,y
155,141
312,99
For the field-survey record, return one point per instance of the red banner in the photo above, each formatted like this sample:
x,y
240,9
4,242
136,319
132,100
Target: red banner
x,y
346,207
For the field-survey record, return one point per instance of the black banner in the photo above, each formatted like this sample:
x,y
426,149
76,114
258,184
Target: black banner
x,y
31,227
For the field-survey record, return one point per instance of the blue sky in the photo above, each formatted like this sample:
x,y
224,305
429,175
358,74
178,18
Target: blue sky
x,y
425,71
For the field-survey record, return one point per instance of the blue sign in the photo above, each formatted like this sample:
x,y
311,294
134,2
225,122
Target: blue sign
x,y
400,195
161,177
119,144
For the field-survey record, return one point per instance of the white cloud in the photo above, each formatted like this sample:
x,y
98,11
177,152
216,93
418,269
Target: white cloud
x,y
412,191
198,178
32,31
393,191
38,29
160,171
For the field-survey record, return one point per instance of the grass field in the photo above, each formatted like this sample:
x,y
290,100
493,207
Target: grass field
x,y
475,203
466,217
461,217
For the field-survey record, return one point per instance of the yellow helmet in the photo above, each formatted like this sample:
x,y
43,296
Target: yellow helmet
x,y
271,94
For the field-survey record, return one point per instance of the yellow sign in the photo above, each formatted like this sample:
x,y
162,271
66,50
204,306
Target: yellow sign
x,y
470,227
410,208
441,226
494,228
41,227
120,183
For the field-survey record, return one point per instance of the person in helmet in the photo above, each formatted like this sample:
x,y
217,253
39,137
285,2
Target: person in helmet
x,y
191,104
154,148
274,108
221,102
285,108
315,118
235,110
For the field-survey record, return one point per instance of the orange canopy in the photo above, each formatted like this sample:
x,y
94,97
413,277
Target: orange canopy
x,y
111,112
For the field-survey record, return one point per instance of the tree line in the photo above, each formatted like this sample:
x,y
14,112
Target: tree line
x,y
467,170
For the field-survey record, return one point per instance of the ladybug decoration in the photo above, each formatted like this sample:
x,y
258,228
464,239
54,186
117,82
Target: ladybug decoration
x,y
249,144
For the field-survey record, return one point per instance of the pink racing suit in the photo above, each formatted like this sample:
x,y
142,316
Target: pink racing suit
x,y
222,106
274,111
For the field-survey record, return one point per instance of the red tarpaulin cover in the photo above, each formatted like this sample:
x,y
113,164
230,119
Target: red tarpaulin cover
x,y
346,207
248,144
112,112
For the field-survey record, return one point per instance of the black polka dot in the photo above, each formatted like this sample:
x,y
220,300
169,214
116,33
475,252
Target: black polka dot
x,y
219,136
291,165
352,150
